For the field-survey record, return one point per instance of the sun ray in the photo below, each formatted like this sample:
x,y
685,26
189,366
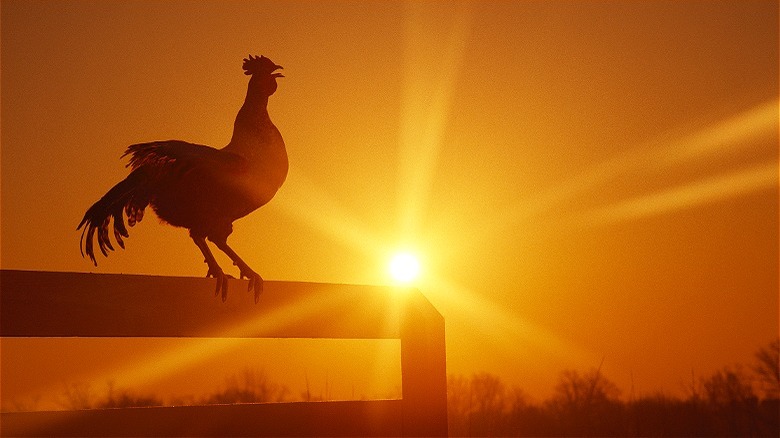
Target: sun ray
x,y
713,189
156,367
496,324
307,203
430,75
741,133
724,138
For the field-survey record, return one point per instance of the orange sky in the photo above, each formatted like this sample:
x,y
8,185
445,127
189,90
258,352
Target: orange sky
x,y
583,180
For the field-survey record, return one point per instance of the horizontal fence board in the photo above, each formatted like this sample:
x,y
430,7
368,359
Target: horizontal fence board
x,y
114,305
333,418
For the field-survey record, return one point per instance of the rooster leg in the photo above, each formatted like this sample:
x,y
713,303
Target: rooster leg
x,y
214,270
255,281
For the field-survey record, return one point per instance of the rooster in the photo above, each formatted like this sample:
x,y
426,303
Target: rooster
x,y
198,187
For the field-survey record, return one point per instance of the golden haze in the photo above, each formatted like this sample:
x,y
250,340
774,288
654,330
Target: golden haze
x,y
585,180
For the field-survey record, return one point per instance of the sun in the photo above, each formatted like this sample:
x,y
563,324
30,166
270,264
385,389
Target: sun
x,y
404,267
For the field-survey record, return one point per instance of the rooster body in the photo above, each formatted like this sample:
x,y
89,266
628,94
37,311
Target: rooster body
x,y
199,187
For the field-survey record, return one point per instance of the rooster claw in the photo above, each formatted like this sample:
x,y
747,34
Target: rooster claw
x,y
222,282
255,282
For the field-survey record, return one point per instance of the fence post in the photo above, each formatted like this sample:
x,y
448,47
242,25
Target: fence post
x,y
424,386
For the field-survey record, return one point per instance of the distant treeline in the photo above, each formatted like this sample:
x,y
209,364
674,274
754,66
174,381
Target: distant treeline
x,y
734,401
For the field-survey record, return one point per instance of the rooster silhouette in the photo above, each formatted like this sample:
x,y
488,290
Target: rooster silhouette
x,y
199,187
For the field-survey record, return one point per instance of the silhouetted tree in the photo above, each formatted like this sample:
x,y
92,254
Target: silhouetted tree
x,y
477,406
722,404
488,396
730,397
458,405
767,368
80,395
254,387
525,418
126,399
583,404
77,395
27,404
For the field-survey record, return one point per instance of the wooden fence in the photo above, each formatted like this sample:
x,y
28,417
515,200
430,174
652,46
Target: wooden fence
x,y
61,304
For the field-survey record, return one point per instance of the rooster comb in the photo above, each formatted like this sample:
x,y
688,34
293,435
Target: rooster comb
x,y
258,64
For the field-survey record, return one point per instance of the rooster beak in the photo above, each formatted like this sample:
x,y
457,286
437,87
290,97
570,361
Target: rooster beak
x,y
277,75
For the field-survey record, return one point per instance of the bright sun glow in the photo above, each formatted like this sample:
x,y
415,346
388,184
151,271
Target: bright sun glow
x,y
404,267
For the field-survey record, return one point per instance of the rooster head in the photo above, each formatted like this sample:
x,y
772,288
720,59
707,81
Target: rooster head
x,y
262,66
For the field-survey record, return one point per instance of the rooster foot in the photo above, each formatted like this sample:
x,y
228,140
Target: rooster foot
x,y
222,281
255,280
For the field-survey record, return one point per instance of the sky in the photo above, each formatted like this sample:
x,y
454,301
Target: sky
x,y
584,182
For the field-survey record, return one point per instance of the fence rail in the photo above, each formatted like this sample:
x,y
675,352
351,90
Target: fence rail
x,y
62,304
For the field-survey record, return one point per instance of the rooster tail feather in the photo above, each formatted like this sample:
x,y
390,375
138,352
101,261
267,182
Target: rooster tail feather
x,y
119,229
127,196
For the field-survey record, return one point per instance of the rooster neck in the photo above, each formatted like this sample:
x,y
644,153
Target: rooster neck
x,y
252,119
254,111
256,139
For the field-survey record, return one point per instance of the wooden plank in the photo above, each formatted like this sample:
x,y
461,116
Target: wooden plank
x,y
335,418
33,304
